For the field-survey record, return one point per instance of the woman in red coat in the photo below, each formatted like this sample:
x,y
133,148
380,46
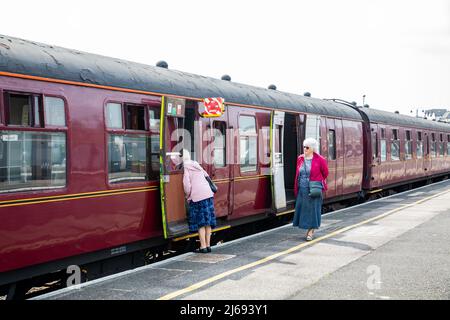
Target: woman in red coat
x,y
311,166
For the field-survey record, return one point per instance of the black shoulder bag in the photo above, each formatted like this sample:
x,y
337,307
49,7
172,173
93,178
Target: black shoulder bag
x,y
211,184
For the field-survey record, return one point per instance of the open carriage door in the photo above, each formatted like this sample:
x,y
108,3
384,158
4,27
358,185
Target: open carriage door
x,y
173,208
277,160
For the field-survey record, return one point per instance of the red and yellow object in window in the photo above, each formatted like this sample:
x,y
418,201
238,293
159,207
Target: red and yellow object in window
x,y
212,107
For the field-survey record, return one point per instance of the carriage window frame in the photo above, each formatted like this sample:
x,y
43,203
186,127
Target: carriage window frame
x,y
45,112
128,109
408,145
36,109
441,145
419,145
41,166
448,145
383,145
395,145
374,146
108,124
432,145
248,136
331,144
150,132
221,126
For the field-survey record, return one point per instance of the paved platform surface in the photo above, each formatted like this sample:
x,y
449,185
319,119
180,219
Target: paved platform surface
x,y
393,248
415,265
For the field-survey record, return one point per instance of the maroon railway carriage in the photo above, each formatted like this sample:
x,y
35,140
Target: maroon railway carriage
x,y
86,148
400,150
403,149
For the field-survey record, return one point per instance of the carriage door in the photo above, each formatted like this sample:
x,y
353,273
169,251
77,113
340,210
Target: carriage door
x,y
427,156
171,171
339,150
220,167
375,156
277,160
332,162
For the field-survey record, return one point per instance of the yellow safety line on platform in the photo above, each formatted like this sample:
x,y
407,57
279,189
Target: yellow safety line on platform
x,y
290,250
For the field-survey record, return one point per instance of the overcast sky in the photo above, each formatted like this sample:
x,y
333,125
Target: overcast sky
x,y
396,52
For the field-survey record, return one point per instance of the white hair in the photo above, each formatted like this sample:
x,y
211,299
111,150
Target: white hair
x,y
186,155
312,143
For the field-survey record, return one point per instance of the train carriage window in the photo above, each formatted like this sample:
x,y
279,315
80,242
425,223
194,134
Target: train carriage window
x,y
248,143
32,159
374,145
132,156
54,112
127,158
153,144
331,145
395,146
408,145
383,151
176,140
448,145
219,128
433,145
37,113
441,145
154,119
278,142
419,145
134,117
23,109
114,115
19,111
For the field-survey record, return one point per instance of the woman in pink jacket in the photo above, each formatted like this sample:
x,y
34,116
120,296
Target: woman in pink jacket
x,y
312,171
200,198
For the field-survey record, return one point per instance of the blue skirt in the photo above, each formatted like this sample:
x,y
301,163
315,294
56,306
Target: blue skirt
x,y
308,210
201,214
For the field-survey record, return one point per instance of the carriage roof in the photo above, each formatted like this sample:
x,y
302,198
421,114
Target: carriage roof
x,y
42,60
380,116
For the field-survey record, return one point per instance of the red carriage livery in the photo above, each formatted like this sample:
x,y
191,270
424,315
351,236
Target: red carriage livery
x,y
86,143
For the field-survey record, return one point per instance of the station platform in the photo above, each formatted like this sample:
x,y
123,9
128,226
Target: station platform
x,y
396,247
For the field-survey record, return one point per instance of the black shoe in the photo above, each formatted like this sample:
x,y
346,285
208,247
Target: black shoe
x,y
201,250
208,249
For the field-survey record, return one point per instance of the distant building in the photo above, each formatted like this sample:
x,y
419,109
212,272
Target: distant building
x,y
435,114
445,117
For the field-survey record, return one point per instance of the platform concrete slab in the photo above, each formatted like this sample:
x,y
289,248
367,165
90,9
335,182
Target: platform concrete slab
x,y
413,266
